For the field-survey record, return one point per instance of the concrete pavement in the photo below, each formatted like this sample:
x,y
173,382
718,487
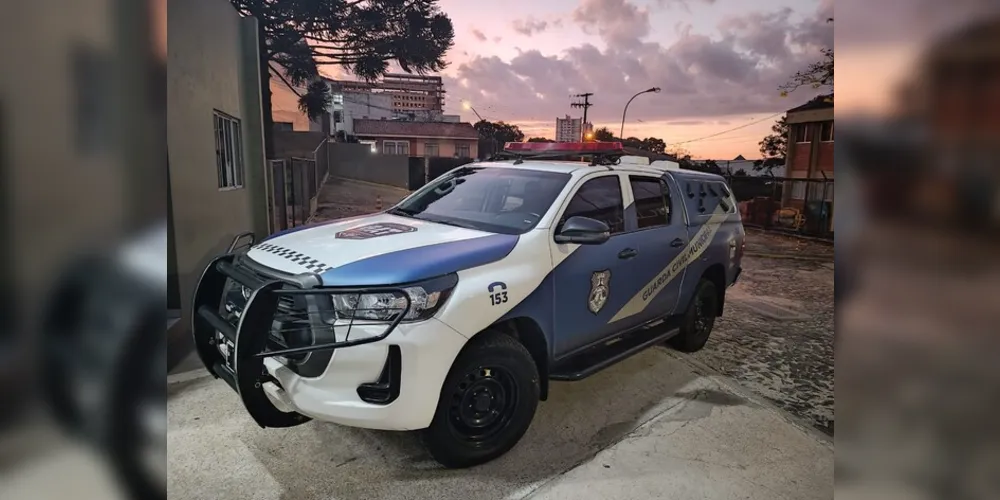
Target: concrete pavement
x,y
655,426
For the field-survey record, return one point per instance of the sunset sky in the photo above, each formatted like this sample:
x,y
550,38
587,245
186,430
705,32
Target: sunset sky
x,y
719,63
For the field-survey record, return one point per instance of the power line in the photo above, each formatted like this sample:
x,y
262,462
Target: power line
x,y
585,104
727,131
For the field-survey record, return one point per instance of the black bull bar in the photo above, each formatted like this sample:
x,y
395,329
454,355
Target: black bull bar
x,y
252,334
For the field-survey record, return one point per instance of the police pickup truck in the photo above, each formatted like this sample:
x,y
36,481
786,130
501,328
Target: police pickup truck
x,y
450,312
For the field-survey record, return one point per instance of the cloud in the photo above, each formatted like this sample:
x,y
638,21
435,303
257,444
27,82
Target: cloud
x,y
497,39
735,70
530,26
683,4
479,35
618,22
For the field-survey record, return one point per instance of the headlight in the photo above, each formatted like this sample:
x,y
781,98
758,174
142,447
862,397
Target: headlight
x,y
425,300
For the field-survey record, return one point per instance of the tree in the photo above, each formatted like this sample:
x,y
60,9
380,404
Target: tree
x,y
539,139
604,135
295,37
740,173
495,135
767,165
677,152
774,147
653,145
631,142
819,75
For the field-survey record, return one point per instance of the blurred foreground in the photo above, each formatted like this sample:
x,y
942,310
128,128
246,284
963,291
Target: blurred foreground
x,y
918,282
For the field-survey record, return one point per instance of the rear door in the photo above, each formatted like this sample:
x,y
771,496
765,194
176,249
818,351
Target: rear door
x,y
661,235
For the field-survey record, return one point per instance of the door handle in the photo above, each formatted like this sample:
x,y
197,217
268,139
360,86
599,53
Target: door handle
x,y
628,253
677,243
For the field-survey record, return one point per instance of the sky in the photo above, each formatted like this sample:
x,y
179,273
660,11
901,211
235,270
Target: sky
x,y
718,63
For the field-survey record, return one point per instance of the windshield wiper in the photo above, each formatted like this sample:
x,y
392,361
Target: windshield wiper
x,y
400,212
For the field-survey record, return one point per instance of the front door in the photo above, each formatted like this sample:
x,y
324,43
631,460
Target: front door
x,y
592,282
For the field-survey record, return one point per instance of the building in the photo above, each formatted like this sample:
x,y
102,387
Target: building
x,y
217,186
285,112
571,129
810,156
351,105
408,93
424,139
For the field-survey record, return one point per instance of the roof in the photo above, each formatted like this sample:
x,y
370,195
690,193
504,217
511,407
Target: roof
x,y
819,102
407,129
562,167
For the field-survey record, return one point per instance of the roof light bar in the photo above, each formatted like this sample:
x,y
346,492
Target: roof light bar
x,y
569,148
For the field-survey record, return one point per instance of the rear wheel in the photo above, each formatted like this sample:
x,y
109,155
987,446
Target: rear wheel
x,y
487,402
698,319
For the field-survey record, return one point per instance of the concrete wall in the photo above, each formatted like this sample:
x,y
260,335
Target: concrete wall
x,y
212,65
296,144
356,161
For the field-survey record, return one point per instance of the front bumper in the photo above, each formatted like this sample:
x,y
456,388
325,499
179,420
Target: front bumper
x,y
289,359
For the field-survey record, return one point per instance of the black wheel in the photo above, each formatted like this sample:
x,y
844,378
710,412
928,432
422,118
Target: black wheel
x,y
698,319
487,402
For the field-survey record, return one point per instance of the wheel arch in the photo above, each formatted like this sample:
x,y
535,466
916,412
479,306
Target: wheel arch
x,y
716,274
527,331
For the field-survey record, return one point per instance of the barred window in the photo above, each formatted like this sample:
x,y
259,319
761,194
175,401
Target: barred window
x,y
228,151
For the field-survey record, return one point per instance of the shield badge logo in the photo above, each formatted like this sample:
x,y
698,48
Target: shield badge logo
x,y
600,288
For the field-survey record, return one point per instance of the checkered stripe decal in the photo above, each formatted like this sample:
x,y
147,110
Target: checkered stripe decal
x,y
305,261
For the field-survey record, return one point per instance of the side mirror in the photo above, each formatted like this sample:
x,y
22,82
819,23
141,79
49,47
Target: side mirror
x,y
583,231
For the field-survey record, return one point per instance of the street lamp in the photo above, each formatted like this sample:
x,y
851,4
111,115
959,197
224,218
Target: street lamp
x,y
493,139
466,105
621,134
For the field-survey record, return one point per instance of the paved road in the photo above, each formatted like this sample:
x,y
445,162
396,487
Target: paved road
x,y
776,336
653,422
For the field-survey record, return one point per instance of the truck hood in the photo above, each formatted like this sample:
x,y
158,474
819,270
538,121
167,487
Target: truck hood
x,y
380,249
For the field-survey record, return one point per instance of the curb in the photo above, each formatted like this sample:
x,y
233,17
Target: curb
x,y
809,258
188,376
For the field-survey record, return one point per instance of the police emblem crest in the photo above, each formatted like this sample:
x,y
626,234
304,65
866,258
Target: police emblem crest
x,y
600,288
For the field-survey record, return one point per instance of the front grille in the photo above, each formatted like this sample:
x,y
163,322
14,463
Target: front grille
x,y
291,317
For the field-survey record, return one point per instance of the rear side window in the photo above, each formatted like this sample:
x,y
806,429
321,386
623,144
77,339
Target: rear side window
x,y
652,201
599,199
711,194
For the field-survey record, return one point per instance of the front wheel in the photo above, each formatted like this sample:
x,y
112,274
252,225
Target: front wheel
x,y
487,402
698,319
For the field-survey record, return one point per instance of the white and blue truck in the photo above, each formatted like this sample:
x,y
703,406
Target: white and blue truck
x,y
450,312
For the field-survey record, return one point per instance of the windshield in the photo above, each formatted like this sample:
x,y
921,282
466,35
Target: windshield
x,y
498,200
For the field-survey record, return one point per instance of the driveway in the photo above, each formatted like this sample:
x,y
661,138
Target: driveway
x,y
654,426
340,198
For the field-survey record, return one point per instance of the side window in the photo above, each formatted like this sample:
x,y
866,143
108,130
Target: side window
x,y
652,201
600,199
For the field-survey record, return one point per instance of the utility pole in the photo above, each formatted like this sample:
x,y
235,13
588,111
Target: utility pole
x,y
585,104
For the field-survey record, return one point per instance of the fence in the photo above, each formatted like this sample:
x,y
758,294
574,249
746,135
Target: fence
x,y
295,183
801,206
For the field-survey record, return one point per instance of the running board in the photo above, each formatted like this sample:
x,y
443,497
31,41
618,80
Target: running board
x,y
592,360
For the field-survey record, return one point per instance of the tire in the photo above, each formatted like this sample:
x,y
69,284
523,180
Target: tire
x,y
495,373
698,319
